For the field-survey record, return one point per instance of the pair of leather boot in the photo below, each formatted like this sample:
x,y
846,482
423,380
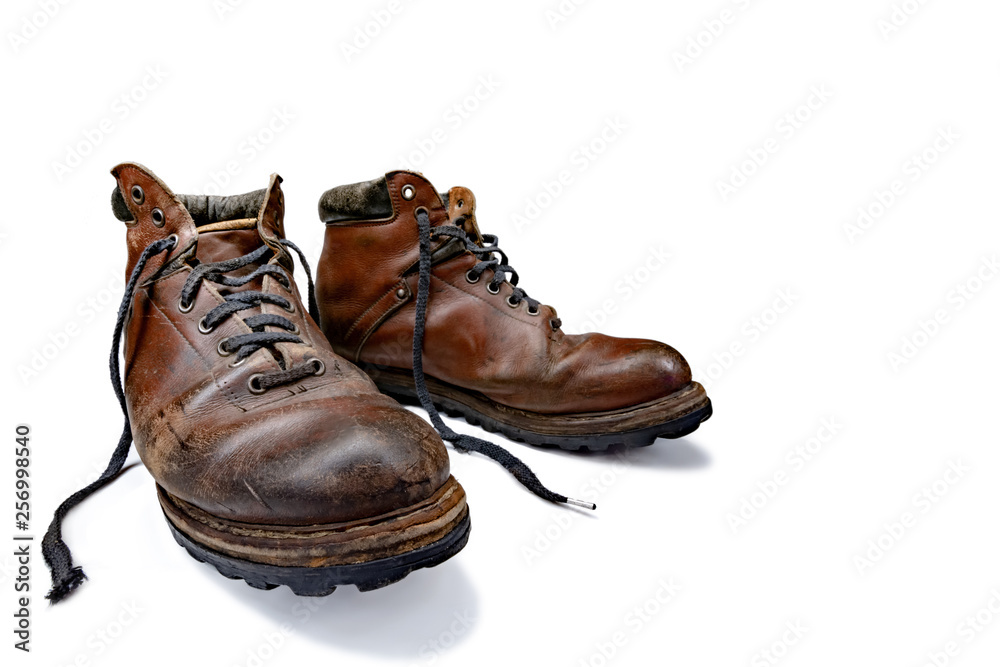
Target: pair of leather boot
x,y
268,421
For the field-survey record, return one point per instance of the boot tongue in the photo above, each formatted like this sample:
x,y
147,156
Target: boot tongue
x,y
217,245
461,204
227,239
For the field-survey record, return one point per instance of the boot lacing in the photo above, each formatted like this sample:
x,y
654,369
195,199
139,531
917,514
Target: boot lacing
x,y
66,577
467,443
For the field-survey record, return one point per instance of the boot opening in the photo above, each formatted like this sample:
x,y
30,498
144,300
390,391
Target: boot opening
x,y
204,209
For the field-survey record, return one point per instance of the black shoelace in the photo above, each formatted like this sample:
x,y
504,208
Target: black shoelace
x,y
487,260
65,576
461,442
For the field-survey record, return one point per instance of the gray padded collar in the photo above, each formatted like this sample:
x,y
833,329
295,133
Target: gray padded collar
x,y
358,201
204,209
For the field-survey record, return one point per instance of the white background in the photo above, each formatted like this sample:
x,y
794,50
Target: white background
x,y
540,584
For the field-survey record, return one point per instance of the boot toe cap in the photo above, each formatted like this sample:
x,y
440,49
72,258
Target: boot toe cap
x,y
622,372
666,368
324,461
646,370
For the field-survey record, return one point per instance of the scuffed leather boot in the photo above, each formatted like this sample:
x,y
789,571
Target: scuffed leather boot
x,y
275,460
396,248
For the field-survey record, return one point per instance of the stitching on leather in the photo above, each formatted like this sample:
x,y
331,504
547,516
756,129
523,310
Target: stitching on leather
x,y
227,388
174,327
496,308
434,278
323,530
227,391
211,374
370,223
370,308
393,308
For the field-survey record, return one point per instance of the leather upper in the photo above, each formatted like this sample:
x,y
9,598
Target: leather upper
x,y
327,448
366,287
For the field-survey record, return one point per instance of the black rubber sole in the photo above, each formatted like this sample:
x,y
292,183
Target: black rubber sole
x,y
675,428
320,581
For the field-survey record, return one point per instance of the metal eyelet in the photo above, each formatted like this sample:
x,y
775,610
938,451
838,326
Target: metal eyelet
x,y
511,303
461,203
158,217
489,288
468,277
238,362
185,309
176,239
294,329
290,307
408,192
138,196
253,384
318,366
401,293
533,312
221,347
204,328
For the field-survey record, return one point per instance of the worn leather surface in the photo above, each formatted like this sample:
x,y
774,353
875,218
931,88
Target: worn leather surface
x,y
325,449
366,289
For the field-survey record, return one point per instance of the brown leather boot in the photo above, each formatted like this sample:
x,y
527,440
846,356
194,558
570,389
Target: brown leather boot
x,y
394,248
275,460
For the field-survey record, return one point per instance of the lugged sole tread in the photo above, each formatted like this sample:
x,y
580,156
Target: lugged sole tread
x,y
321,581
676,428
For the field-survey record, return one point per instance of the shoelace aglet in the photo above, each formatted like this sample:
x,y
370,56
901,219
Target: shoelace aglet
x,y
581,503
464,443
